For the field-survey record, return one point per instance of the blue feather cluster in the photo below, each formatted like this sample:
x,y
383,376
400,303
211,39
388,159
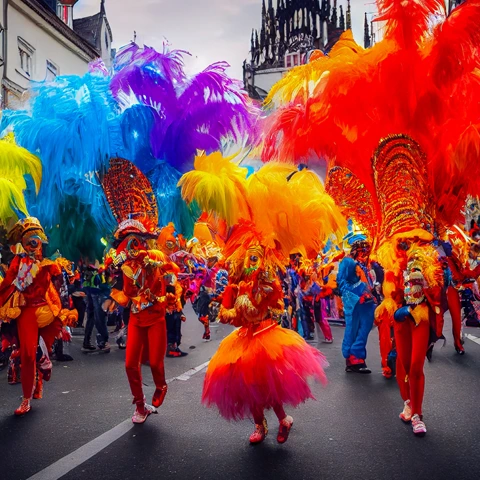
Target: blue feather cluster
x,y
146,110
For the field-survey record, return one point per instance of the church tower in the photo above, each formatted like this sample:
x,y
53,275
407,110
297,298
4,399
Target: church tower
x,y
289,30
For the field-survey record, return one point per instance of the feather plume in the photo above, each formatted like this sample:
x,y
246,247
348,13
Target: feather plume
x,y
407,21
12,203
454,50
200,112
421,80
217,185
16,162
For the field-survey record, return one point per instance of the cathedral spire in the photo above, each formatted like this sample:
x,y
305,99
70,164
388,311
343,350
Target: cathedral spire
x,y
334,15
349,16
342,19
367,41
263,29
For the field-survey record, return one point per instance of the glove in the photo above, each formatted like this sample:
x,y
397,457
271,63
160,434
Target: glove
x,y
120,259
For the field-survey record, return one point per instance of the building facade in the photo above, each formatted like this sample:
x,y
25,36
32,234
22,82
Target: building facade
x,y
39,42
289,31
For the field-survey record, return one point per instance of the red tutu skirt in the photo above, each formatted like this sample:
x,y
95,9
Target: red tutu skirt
x,y
259,367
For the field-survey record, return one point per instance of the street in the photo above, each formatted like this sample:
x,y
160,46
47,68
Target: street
x,y
82,428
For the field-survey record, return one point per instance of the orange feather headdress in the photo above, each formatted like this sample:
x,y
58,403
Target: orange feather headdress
x,y
131,199
421,80
278,207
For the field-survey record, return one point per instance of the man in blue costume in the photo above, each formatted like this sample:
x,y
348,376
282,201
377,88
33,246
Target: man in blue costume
x,y
359,306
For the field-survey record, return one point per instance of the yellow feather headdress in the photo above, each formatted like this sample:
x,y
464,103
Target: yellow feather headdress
x,y
288,208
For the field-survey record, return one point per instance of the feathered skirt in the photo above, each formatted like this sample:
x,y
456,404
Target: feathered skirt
x,y
259,367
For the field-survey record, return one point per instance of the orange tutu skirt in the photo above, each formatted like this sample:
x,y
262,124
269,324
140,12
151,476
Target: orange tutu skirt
x,y
260,367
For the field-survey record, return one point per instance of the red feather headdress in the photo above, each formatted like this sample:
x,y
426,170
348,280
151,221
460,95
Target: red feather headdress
x,y
131,199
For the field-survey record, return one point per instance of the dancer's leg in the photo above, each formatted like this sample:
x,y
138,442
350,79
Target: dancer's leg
x,y
403,342
137,338
454,306
28,336
157,343
420,337
385,339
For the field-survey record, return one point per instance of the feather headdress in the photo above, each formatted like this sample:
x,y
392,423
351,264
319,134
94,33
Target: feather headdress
x,y
277,207
421,80
131,199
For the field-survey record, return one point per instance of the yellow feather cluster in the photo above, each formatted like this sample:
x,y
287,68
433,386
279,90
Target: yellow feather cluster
x,y
218,185
289,208
301,82
15,163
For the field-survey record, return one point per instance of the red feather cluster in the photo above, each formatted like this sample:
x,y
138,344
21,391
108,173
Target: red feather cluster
x,y
421,80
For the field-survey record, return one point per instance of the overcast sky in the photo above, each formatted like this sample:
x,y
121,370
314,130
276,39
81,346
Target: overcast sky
x,y
211,30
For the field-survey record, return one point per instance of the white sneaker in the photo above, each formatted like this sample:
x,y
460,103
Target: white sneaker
x,y
418,426
142,412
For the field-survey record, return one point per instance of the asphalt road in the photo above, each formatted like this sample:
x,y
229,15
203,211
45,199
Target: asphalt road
x,y
352,431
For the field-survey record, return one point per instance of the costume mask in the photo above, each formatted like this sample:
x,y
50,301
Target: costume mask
x,y
414,283
253,259
32,244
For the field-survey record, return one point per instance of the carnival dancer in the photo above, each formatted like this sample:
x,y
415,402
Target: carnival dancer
x,y
423,280
372,274
261,365
400,105
28,295
461,290
201,306
135,208
359,308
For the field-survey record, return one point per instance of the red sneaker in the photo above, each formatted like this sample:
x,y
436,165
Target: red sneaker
x,y
387,372
159,396
172,351
260,432
23,408
284,429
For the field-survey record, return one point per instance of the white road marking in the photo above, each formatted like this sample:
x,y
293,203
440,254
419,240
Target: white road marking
x,y
473,338
73,460
81,455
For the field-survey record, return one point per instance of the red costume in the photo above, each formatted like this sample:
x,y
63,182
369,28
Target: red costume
x,y
144,285
28,295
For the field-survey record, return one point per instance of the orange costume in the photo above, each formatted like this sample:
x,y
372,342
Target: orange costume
x,y
134,206
28,295
261,366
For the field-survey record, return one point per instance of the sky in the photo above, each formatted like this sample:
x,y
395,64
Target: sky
x,y
211,30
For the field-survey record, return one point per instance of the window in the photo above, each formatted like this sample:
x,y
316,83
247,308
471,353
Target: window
x,y
292,59
27,53
52,71
106,38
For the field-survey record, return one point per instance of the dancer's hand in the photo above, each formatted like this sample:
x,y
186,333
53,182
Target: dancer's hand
x,y
229,295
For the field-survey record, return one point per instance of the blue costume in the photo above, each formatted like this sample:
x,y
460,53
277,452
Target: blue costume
x,y
359,307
